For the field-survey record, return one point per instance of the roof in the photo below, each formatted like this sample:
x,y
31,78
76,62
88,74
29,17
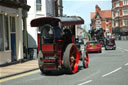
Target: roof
x,y
103,14
53,20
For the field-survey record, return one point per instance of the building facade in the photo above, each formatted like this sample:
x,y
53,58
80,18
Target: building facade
x,y
40,8
13,14
120,18
102,19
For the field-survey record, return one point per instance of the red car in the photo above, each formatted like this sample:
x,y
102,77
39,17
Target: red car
x,y
94,46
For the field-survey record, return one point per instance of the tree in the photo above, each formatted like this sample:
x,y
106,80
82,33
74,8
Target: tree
x,y
85,33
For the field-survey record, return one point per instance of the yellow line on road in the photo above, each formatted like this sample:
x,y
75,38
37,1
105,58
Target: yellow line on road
x,y
18,76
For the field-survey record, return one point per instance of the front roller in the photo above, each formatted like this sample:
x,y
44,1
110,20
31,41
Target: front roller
x,y
71,59
41,63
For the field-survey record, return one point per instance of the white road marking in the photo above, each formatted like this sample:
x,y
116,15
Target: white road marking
x,y
90,76
85,82
112,72
126,64
123,49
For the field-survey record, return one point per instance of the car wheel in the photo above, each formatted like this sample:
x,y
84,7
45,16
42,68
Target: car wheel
x,y
105,48
100,51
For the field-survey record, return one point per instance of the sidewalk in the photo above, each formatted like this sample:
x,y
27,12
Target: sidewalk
x,y
19,68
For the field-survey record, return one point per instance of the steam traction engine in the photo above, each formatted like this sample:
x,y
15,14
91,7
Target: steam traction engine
x,y
56,44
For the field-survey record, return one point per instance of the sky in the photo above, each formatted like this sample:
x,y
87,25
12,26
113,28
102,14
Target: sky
x,y
83,8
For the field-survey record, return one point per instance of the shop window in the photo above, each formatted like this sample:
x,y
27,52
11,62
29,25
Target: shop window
x,y
38,5
6,34
1,33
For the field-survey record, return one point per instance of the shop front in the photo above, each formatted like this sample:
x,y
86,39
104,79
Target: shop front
x,y
11,42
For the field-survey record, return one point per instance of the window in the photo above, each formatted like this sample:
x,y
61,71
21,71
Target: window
x,y
125,11
117,23
98,24
107,28
117,13
1,33
125,2
6,33
125,22
38,5
117,3
12,24
107,21
98,21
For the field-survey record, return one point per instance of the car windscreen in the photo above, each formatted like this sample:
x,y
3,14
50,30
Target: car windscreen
x,y
93,43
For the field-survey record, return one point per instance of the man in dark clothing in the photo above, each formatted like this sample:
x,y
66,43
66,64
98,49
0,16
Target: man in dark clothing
x,y
58,32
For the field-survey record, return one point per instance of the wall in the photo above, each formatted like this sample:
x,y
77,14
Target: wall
x,y
47,10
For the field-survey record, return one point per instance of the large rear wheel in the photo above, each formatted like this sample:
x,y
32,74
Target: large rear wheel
x,y
85,60
71,59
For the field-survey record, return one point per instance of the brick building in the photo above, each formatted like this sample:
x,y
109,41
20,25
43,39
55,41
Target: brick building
x,y
120,18
102,19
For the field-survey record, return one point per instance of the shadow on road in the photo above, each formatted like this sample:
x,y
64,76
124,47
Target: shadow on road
x,y
61,72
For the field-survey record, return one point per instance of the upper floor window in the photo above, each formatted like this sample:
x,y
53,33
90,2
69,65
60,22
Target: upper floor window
x,y
117,3
98,21
125,11
98,24
117,13
38,5
107,21
125,2
116,23
125,22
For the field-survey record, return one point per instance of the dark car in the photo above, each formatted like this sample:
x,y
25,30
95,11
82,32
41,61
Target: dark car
x,y
94,46
110,44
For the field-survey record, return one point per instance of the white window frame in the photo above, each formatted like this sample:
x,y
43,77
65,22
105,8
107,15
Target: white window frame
x,y
107,21
98,23
117,3
125,2
116,24
125,11
125,22
40,5
9,43
117,13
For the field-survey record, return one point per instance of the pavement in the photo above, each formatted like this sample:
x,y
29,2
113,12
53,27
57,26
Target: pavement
x,y
19,68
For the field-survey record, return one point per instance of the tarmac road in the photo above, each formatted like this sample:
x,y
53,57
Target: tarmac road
x,y
107,68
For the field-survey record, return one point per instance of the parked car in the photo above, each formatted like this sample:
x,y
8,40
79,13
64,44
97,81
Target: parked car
x,y
110,44
94,46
